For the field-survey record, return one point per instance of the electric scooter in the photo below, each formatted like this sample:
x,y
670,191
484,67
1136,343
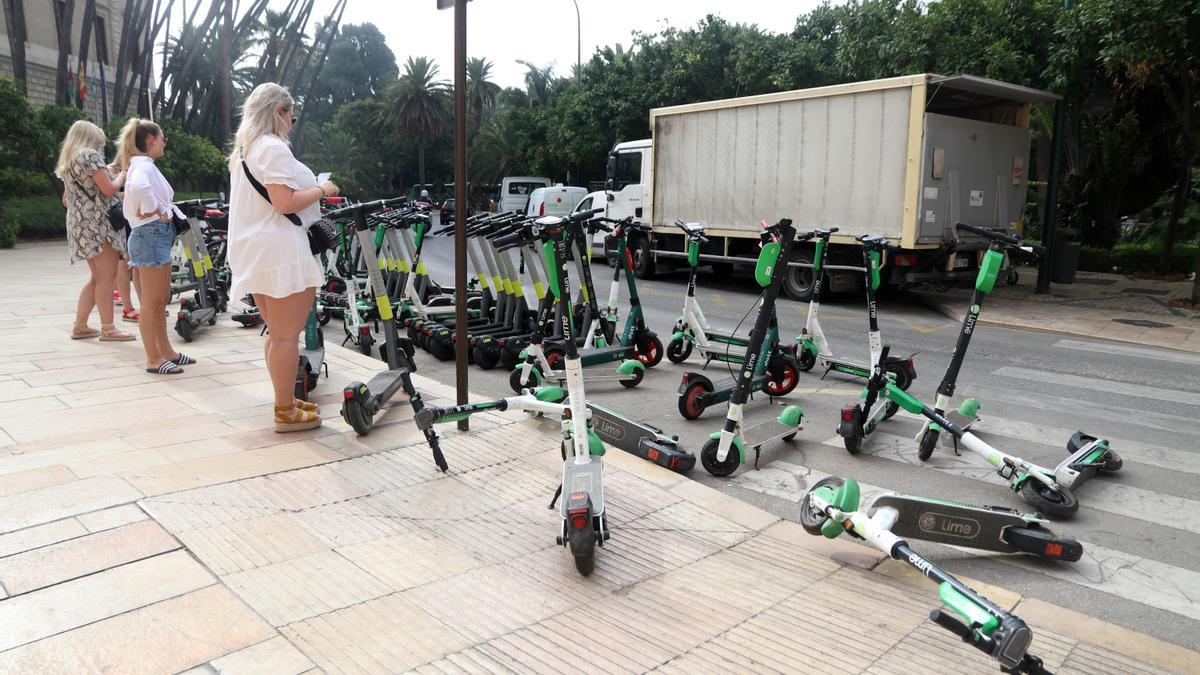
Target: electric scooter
x,y
814,347
765,367
1050,491
312,356
201,310
691,328
967,413
638,349
361,402
830,509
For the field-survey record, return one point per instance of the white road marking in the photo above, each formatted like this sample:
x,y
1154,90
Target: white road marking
x,y
1094,384
1129,350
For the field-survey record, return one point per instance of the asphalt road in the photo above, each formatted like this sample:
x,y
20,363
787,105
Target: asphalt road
x,y
1140,528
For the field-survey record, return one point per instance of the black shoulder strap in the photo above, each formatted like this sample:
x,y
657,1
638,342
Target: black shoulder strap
x,y
258,187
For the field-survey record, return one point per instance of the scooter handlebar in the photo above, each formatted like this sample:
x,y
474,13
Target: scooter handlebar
x,y
876,241
1002,238
365,207
695,231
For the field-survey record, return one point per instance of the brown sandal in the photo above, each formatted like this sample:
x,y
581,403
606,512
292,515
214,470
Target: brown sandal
x,y
110,333
292,418
83,332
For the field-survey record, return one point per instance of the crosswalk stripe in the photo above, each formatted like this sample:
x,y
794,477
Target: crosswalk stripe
x,y
1123,500
1095,384
1129,350
1133,451
1125,575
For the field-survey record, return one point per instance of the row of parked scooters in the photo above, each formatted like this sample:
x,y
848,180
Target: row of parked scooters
x,y
553,345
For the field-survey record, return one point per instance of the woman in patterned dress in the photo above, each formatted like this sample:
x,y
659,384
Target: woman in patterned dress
x,y
88,191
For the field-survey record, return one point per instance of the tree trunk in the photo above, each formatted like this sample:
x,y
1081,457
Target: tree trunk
x,y
61,96
1183,187
14,23
421,165
226,118
85,40
331,34
123,55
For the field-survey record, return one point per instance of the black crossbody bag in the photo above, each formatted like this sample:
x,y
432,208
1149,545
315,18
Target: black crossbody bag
x,y
319,237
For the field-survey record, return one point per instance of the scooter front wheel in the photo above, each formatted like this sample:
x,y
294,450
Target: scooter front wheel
x,y
652,354
1057,501
806,360
708,457
789,377
929,441
811,519
633,380
678,350
514,379
1112,462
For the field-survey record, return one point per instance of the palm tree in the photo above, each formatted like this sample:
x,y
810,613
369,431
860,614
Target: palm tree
x,y
538,82
481,91
418,105
494,151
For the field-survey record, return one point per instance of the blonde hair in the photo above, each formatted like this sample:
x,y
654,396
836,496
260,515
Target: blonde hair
x,y
132,140
259,118
83,135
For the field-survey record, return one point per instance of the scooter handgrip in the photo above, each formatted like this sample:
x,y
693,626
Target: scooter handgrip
x,y
584,215
508,240
988,234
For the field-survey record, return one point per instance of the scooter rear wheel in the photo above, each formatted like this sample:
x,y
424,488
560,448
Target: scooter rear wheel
x,y
853,438
357,416
653,353
928,442
810,519
679,350
789,378
583,548
708,457
485,359
184,328
1112,462
691,403
1058,502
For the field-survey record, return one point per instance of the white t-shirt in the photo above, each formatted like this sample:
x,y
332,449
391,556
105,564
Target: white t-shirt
x,y
267,253
146,191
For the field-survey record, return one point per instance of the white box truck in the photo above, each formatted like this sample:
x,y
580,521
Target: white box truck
x,y
904,157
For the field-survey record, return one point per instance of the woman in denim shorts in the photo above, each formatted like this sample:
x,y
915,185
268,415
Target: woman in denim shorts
x,y
148,208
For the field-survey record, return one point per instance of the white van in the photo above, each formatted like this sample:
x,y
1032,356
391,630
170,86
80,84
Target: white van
x,y
559,200
595,200
515,190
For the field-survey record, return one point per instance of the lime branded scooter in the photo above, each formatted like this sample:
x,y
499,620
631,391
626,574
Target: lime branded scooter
x,y
765,367
831,509
814,347
967,413
691,328
1047,490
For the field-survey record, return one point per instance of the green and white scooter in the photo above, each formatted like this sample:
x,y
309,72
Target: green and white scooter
x,y
814,347
691,328
1047,490
830,509
967,414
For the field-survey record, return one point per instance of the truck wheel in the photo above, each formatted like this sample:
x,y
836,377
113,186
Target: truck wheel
x,y
643,258
798,282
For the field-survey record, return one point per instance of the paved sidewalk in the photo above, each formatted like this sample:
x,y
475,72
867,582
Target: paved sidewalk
x,y
158,525
1108,306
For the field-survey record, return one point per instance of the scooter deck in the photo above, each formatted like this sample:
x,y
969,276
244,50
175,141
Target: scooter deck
x,y
943,522
587,478
641,439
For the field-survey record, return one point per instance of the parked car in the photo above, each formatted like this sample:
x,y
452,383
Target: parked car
x,y
514,191
559,200
447,210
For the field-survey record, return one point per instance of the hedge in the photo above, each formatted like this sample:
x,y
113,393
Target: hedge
x,y
1131,258
37,217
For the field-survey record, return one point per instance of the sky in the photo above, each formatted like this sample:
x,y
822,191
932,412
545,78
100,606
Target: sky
x,y
543,32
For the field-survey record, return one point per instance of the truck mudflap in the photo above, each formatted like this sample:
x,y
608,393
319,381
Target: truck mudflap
x,y
641,439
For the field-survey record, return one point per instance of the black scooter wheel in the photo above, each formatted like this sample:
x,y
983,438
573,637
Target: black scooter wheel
x,y
184,328
1112,462
635,380
691,401
514,379
364,344
1056,502
928,442
708,457
485,358
903,379
678,350
852,438
890,411
806,360
650,353
583,547
811,519
508,359
357,416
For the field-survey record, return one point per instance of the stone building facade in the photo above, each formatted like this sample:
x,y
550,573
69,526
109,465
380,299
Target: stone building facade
x,y
41,51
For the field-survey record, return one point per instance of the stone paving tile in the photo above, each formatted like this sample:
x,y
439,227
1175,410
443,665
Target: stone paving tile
x,y
298,589
350,522
304,489
383,471
60,501
690,519
76,603
41,535
96,420
165,637
81,556
165,478
248,544
411,559
117,516
508,482
503,535
388,634
636,555
24,481
276,656
32,406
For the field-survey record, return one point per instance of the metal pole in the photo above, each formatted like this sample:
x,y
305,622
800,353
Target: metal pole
x,y
460,204
578,44
1051,211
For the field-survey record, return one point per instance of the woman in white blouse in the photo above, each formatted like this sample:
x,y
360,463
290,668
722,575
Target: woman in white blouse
x,y
269,255
148,208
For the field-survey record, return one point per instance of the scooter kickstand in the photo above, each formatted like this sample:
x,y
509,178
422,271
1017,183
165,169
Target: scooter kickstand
x,y
757,454
956,452
557,493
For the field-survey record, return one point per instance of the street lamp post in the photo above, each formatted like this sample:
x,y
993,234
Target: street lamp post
x,y
578,44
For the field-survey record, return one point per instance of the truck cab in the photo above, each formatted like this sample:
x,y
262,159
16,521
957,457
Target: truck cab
x,y
631,170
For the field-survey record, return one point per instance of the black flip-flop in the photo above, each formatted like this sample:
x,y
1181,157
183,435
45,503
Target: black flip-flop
x,y
167,368
184,360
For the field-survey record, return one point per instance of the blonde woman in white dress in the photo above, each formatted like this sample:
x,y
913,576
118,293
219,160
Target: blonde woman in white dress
x,y
268,255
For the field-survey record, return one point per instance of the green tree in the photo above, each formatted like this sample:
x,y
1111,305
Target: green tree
x,y
482,92
359,66
418,105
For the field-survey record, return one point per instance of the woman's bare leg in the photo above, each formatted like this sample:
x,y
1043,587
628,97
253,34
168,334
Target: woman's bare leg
x,y
104,272
153,324
123,280
286,320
